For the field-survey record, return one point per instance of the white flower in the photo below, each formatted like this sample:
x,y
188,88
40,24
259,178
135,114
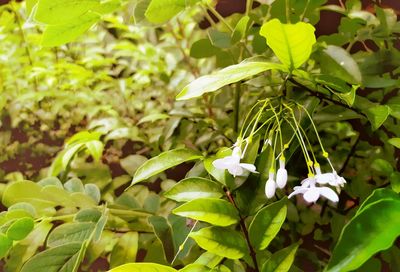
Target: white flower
x,y
270,185
312,193
332,179
233,165
281,176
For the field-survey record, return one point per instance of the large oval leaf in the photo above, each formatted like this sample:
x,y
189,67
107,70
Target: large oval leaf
x,y
162,230
281,261
214,211
338,62
377,195
267,223
20,228
164,161
143,267
193,188
291,43
226,76
56,12
221,241
372,230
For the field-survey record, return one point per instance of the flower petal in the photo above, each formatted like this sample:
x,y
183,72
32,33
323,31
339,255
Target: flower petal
x,y
223,163
325,178
235,170
328,193
312,194
281,177
249,167
298,190
270,188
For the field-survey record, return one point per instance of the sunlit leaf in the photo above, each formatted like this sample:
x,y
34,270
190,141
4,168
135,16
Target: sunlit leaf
x,y
20,228
163,162
281,261
143,267
221,241
291,43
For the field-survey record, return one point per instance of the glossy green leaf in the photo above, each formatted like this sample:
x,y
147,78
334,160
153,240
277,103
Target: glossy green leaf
x,y
282,260
226,76
240,29
143,267
20,228
338,62
70,232
163,162
214,211
59,12
267,223
193,188
125,250
221,241
64,258
55,35
163,231
377,195
291,43
377,115
373,229
395,142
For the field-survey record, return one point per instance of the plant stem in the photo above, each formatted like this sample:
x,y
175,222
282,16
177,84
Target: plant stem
x,y
245,232
236,107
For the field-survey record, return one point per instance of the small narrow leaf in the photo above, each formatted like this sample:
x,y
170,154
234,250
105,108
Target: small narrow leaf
x,y
226,76
163,162
221,241
163,231
193,188
214,211
282,260
395,142
5,245
143,267
267,223
291,43
366,234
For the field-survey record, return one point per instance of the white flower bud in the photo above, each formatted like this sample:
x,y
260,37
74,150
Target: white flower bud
x,y
270,186
281,176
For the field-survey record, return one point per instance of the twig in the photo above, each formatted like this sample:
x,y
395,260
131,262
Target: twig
x,y
245,232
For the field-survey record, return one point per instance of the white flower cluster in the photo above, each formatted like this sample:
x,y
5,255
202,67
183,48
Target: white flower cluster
x,y
312,188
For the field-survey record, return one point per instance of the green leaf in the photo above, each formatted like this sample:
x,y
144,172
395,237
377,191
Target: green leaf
x,y
160,11
219,39
221,241
291,43
88,215
203,49
70,232
163,162
58,12
377,195
163,231
282,260
338,62
63,258
20,228
55,35
125,250
395,142
193,188
267,223
373,229
214,211
377,115
143,267
93,191
240,29
5,245
226,76
95,149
